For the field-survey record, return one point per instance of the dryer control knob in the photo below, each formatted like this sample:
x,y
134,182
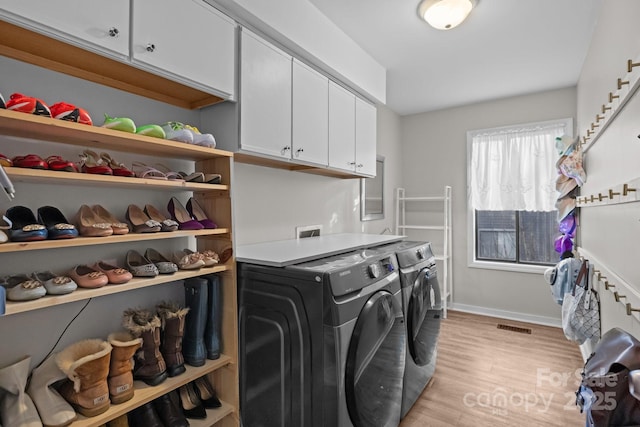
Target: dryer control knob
x,y
374,271
420,253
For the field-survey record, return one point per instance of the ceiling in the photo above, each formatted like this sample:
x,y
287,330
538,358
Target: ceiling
x,y
505,48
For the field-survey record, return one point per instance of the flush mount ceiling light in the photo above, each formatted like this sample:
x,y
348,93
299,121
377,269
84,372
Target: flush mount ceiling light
x,y
445,14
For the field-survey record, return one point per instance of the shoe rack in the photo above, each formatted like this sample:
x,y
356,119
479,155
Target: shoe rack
x,y
214,198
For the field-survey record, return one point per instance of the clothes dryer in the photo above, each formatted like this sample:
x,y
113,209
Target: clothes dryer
x,y
422,306
322,343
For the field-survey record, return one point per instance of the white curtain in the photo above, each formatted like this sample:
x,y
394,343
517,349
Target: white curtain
x,y
514,169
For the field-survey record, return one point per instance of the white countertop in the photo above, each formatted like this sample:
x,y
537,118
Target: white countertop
x,y
287,252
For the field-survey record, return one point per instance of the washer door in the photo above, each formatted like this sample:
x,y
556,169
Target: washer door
x,y
375,363
423,316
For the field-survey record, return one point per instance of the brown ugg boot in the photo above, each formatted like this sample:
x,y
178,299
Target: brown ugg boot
x,y
150,366
172,317
120,378
86,364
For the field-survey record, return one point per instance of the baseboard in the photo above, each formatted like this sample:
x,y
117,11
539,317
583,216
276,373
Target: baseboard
x,y
510,315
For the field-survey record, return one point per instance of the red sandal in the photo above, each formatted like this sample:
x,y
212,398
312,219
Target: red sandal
x,y
32,161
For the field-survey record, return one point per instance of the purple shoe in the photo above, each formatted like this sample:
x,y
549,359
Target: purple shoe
x,y
197,212
182,216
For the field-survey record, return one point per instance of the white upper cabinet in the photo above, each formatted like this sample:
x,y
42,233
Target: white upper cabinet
x,y
265,97
365,138
101,27
342,128
188,39
310,132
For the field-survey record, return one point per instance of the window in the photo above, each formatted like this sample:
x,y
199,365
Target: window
x,y
512,215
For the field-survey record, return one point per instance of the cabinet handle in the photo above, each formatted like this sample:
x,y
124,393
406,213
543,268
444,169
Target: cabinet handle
x,y
351,163
298,151
151,47
360,165
113,32
285,149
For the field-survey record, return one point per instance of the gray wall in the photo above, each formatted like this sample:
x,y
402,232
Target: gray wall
x,y
270,203
35,333
434,154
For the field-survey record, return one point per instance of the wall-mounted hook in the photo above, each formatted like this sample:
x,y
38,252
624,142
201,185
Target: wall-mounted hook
x,y
608,285
585,139
605,109
622,83
594,125
599,117
592,199
612,193
631,309
631,64
600,197
600,276
590,132
626,189
618,297
612,97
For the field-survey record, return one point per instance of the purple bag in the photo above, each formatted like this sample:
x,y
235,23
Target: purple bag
x,y
563,243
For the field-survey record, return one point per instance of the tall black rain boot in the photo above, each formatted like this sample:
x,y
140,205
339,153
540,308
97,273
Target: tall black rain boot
x,y
195,298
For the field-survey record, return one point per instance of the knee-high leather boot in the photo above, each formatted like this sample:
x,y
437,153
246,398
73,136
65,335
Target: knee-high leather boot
x,y
195,298
212,330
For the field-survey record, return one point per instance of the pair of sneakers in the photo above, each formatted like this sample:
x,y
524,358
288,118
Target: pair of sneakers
x,y
59,110
177,131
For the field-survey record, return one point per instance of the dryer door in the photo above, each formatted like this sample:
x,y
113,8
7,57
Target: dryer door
x,y
375,363
423,316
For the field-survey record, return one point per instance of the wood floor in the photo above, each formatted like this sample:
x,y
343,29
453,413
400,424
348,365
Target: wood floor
x,y
489,377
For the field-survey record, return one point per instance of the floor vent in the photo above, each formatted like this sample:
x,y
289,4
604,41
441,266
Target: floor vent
x,y
514,329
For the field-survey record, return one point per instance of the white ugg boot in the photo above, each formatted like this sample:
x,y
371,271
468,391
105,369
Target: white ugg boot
x,y
53,409
16,407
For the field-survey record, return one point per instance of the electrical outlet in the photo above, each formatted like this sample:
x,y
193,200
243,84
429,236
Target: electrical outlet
x,y
308,231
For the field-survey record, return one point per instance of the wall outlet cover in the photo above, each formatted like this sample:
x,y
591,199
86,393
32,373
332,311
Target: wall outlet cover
x,y
308,231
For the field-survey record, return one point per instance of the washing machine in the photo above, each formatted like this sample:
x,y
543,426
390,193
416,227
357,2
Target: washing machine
x,y
422,306
322,343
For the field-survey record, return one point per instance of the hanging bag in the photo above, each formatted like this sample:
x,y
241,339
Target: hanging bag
x,y
581,309
609,382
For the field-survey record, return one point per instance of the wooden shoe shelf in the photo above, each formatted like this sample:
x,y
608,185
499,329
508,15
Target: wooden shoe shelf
x,y
214,198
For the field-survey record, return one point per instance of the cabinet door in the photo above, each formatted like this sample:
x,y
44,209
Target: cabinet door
x,y
188,41
310,129
365,138
265,98
101,27
342,128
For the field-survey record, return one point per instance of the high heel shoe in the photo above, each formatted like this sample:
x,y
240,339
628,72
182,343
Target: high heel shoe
x,y
91,163
196,211
92,225
182,216
191,404
206,393
141,222
119,169
166,223
106,217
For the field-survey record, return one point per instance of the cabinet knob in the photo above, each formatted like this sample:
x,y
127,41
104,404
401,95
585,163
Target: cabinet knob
x,y
151,47
113,32
351,163
360,165
285,149
298,151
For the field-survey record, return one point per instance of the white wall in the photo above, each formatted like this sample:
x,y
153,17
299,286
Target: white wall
x,y
434,147
270,203
610,233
